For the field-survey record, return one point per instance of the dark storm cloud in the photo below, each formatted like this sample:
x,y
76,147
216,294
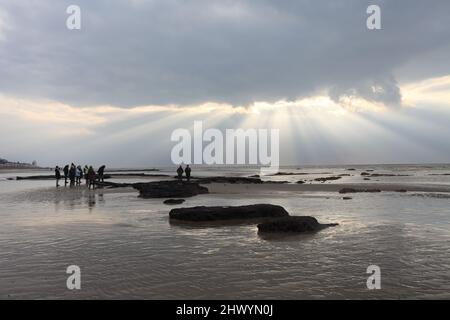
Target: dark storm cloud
x,y
132,53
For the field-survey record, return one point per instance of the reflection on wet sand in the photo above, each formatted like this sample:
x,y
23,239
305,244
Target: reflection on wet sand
x,y
78,196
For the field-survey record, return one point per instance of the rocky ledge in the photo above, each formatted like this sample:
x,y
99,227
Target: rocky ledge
x,y
169,189
327,179
50,177
383,174
293,224
174,201
219,179
207,214
235,180
352,190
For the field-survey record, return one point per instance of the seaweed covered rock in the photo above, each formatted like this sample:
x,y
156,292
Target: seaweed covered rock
x,y
199,214
293,224
327,179
222,179
169,189
174,201
352,190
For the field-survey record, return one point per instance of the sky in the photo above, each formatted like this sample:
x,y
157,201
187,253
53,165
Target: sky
x,y
114,91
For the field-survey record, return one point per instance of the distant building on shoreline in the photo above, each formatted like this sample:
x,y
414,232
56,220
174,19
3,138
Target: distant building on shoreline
x,y
5,164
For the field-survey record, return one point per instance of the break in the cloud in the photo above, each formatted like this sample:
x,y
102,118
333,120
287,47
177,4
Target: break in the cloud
x,y
159,52
314,130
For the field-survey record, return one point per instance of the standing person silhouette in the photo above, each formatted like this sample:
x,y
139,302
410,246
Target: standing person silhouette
x,y
72,173
91,177
180,173
85,173
188,172
66,173
78,175
100,173
57,175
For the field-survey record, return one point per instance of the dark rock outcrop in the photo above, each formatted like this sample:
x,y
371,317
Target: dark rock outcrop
x,y
112,184
246,180
131,174
374,175
169,189
293,224
49,177
347,198
38,177
134,170
327,179
174,201
276,182
389,175
208,214
352,190
286,174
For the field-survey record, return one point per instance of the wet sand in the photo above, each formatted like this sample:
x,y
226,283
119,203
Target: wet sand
x,y
127,247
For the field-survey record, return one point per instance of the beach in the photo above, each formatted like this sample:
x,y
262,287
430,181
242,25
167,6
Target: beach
x,y
127,247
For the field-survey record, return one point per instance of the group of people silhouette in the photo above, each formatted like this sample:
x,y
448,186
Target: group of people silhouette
x,y
74,174
180,171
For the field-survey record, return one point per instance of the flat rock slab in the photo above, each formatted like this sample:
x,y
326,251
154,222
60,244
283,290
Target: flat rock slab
x,y
174,201
169,189
352,190
206,214
293,224
232,180
327,179
50,177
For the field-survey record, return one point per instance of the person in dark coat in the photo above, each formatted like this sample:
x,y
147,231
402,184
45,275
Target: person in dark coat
x,y
100,173
91,177
57,175
180,173
85,173
188,172
72,174
79,174
66,173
